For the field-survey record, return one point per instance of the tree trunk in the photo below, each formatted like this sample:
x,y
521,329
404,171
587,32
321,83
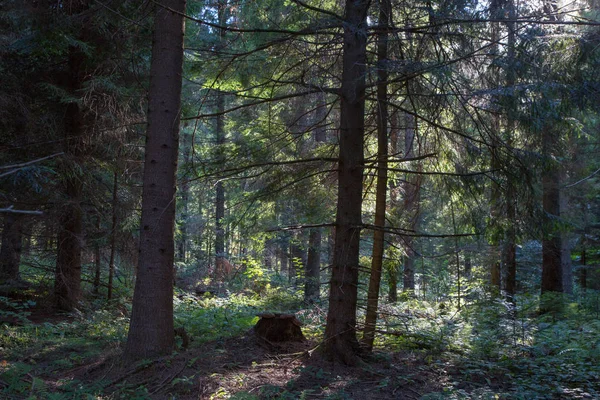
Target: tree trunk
x,y
220,192
113,235
97,257
67,279
496,213
340,331
510,247
151,330
320,131
552,273
313,267
382,178
182,246
392,269
565,251
10,253
220,253
468,265
412,206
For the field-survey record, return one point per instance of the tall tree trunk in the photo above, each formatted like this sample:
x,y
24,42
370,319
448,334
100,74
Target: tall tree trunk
x,y
496,213
392,269
27,233
182,246
113,234
340,331
151,328
10,253
552,274
67,280
220,253
412,206
565,251
382,178
97,257
220,192
313,267
510,247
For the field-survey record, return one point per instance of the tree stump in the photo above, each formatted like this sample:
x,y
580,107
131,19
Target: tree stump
x,y
279,328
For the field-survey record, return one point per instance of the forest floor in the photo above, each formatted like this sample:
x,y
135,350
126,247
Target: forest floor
x,y
482,354
240,367
246,367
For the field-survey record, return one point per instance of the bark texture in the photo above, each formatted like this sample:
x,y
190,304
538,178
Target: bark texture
x,y
10,253
340,332
552,273
151,330
382,179
412,203
113,235
313,267
67,278
220,193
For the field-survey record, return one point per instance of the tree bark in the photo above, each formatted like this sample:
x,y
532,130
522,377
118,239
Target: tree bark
x,y
552,273
382,178
10,253
151,330
411,206
340,331
182,247
510,247
220,254
97,257
67,279
313,267
113,235
220,192
496,164
320,131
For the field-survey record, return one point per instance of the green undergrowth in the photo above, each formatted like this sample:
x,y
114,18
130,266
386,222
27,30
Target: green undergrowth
x,y
210,318
33,354
494,349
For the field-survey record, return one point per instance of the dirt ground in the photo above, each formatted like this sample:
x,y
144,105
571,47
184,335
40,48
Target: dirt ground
x,y
251,366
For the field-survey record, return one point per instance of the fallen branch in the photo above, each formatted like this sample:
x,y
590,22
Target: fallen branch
x,y
11,210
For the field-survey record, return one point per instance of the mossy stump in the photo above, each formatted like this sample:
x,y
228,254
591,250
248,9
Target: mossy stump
x,y
279,328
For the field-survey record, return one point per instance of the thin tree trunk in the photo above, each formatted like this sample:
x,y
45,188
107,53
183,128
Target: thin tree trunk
x,y
97,258
313,267
496,164
151,330
182,247
468,265
113,235
510,247
340,331
411,207
392,269
320,131
382,178
220,193
457,258
220,254
10,253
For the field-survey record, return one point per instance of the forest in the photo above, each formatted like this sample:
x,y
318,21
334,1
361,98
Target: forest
x,y
300,199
